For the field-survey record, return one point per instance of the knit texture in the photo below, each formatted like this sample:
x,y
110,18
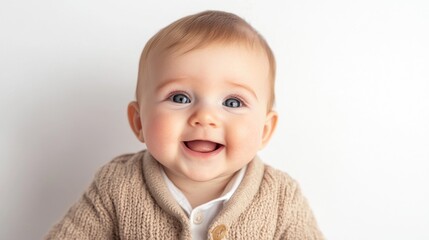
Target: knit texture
x,y
128,199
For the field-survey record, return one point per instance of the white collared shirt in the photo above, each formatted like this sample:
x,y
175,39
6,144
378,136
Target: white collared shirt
x,y
201,216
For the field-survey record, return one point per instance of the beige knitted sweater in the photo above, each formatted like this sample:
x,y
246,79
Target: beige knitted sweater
x,y
129,199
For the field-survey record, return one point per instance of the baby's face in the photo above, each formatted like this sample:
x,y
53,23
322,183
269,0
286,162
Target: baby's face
x,y
204,113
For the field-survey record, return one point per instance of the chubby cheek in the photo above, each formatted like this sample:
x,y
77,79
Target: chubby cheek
x,y
161,132
244,140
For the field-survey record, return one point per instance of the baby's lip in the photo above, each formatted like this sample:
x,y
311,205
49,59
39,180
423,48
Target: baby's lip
x,y
202,146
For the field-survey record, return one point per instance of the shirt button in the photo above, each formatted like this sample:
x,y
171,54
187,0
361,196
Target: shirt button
x,y
199,217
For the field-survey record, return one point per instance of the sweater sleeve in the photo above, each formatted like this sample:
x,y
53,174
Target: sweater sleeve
x,y
300,221
91,217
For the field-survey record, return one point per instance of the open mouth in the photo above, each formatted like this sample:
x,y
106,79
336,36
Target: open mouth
x,y
202,146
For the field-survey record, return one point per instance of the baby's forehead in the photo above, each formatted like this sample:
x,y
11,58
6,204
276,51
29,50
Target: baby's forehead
x,y
215,51
221,51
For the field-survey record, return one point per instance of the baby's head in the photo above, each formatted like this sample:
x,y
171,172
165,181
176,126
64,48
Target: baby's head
x,y
204,96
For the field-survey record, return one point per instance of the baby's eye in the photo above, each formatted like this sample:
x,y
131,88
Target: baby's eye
x,y
180,98
233,103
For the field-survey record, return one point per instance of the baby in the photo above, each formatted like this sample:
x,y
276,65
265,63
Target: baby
x,y
204,108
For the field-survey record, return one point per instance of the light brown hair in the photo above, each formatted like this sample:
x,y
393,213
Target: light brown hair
x,y
201,29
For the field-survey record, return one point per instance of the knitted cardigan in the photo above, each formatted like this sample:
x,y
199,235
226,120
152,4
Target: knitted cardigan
x,y
129,199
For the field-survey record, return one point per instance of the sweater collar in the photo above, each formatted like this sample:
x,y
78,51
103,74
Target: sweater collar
x,y
243,196
159,190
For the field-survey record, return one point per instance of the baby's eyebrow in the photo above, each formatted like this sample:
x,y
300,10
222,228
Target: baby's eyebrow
x,y
248,89
168,82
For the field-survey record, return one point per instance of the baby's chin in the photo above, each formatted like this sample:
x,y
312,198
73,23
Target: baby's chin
x,y
201,174
207,178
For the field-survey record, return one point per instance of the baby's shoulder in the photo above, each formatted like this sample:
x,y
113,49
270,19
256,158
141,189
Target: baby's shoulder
x,y
123,170
279,181
123,164
277,175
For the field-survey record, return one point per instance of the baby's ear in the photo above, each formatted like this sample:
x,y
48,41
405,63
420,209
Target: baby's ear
x,y
269,127
135,120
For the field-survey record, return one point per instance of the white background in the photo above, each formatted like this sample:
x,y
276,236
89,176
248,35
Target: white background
x,y
352,94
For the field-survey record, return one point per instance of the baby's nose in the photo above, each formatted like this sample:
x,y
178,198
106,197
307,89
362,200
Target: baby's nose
x,y
204,116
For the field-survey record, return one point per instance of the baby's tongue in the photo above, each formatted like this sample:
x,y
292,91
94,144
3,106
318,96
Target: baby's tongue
x,y
201,146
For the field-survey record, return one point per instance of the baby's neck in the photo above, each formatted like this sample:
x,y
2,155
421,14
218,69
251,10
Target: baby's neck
x,y
198,193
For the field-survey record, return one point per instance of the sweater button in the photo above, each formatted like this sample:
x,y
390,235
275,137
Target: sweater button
x,y
219,232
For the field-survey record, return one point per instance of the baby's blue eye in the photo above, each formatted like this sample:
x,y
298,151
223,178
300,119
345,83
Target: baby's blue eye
x,y
180,98
232,103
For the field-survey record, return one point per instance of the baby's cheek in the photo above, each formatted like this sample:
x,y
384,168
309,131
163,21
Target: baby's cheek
x,y
245,139
160,135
